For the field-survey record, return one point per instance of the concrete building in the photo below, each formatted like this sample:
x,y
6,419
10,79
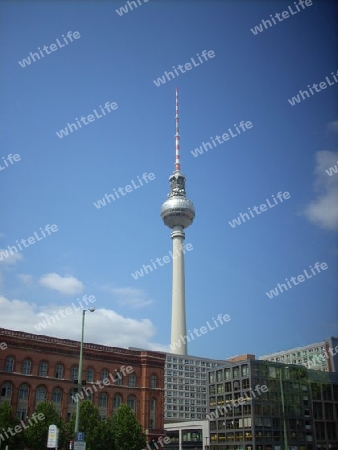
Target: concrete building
x,y
178,213
262,405
186,387
193,435
320,356
34,368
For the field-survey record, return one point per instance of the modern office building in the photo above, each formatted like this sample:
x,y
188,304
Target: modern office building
x,y
320,356
178,213
262,405
34,368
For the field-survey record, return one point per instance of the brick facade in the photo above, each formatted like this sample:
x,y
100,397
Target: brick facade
x,y
35,367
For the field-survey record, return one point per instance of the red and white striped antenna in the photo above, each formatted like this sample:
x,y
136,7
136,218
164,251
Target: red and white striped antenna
x,y
177,137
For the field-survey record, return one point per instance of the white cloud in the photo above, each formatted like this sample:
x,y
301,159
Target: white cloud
x,y
9,259
323,210
65,285
129,296
104,326
25,278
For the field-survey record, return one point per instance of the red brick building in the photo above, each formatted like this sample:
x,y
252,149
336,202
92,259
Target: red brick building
x,y
34,368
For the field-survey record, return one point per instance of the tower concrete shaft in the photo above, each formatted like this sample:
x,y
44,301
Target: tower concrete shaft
x,y
178,213
178,319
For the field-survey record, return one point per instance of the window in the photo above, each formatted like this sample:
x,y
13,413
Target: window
x,y
132,380
245,370
74,373
40,395
117,400
246,383
23,391
43,368
57,396
131,402
6,390
9,364
21,413
72,396
219,375
90,375
228,387
152,414
103,400
153,381
211,377
104,374
59,371
118,378
235,372
26,367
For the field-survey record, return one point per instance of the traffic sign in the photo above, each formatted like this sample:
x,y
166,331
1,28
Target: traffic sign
x,y
79,445
80,436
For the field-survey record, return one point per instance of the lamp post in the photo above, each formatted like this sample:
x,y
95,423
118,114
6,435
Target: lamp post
x,y
286,446
79,377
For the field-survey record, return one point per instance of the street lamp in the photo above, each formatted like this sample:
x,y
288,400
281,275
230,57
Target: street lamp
x,y
283,408
79,377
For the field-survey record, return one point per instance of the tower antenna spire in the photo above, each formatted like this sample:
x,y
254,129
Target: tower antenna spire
x,y
178,213
177,136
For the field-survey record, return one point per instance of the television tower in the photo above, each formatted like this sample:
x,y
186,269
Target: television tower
x,y
178,213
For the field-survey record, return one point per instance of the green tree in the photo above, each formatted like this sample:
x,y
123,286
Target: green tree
x,y
36,433
7,420
89,423
104,435
127,431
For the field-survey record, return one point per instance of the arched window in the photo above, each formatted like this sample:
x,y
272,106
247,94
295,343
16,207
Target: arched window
x,y
103,400
131,402
117,401
74,373
57,396
9,364
72,397
153,381
59,371
26,367
152,414
132,380
90,375
6,391
118,378
43,369
24,391
40,395
104,374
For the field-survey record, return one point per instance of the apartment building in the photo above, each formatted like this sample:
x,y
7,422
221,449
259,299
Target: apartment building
x,y
185,387
320,356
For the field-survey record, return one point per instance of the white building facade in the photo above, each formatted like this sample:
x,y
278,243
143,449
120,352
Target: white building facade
x,y
185,387
320,356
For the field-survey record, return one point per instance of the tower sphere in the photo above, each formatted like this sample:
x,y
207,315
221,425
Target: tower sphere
x,y
177,210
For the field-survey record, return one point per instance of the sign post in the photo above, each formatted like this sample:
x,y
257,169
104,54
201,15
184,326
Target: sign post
x,y
53,436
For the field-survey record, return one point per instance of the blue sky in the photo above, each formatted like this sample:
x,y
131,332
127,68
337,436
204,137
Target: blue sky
x,y
116,58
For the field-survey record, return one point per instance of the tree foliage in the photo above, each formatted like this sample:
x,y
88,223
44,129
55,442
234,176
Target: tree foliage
x,y
89,424
128,433
36,434
7,420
